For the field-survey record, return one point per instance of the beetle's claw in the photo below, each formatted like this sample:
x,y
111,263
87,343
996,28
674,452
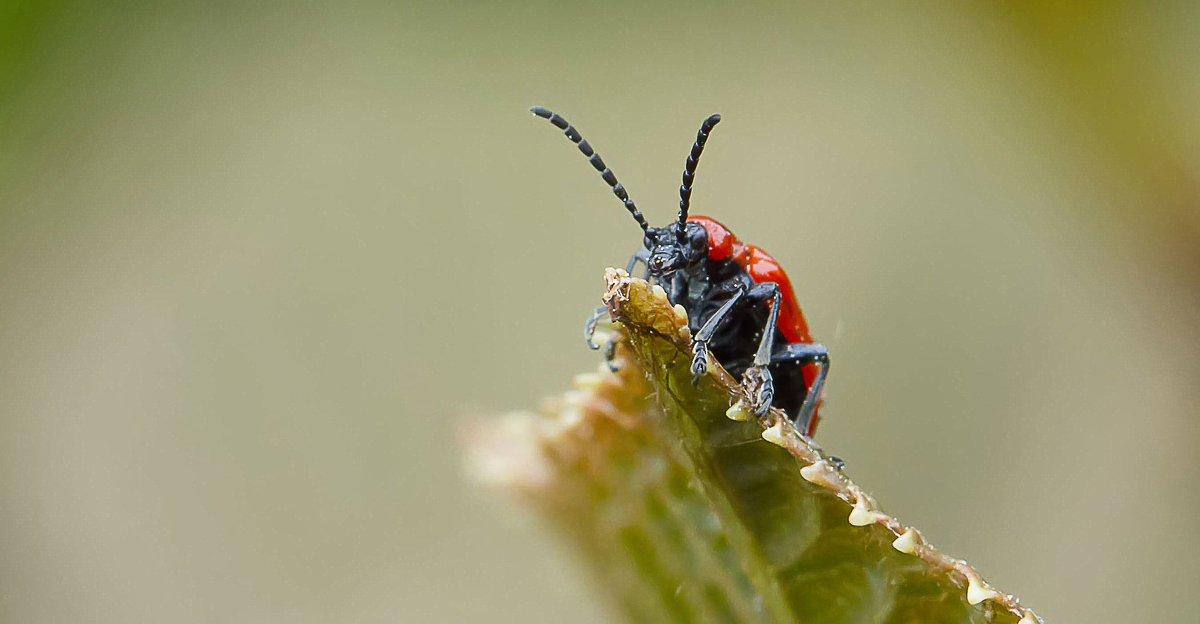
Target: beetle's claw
x,y
758,383
699,361
589,330
588,333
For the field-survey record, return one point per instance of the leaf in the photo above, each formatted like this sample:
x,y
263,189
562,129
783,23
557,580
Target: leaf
x,y
687,515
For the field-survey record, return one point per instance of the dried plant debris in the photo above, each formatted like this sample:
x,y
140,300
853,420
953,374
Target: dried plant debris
x,y
688,509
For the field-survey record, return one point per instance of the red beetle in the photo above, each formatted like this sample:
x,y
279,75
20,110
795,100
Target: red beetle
x,y
739,301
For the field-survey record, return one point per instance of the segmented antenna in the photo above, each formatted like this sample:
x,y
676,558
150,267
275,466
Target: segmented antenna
x,y
593,158
689,170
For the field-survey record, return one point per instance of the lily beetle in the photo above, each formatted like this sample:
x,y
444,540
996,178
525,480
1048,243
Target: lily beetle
x,y
739,301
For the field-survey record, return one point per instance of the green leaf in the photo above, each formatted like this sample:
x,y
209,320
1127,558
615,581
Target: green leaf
x,y
686,515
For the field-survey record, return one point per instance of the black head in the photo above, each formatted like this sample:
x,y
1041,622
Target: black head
x,y
670,251
678,246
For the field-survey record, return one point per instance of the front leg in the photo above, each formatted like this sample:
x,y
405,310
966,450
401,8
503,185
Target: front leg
x,y
589,329
759,384
700,342
642,255
757,378
610,345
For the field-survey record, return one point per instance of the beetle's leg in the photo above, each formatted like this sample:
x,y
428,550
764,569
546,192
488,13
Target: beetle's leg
x,y
642,255
763,292
590,328
676,293
758,376
803,353
610,354
610,346
700,341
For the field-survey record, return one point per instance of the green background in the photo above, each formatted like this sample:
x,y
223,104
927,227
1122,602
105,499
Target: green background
x,y
259,263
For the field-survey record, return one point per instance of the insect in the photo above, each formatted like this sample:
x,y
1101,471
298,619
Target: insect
x,y
740,304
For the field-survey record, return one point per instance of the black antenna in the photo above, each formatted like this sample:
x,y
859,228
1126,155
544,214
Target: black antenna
x,y
689,170
593,158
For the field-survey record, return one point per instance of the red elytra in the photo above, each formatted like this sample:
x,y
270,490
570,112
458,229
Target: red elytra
x,y
722,245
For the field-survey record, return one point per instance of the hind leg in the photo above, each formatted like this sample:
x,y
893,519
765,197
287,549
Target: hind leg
x,y
803,354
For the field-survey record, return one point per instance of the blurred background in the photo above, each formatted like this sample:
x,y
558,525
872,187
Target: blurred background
x,y
257,263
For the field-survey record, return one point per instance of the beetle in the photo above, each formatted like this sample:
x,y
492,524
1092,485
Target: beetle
x,y
740,303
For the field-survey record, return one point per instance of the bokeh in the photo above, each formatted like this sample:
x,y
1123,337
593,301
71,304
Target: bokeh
x,y
259,261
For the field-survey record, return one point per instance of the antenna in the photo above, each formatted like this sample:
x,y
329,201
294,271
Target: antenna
x,y
594,158
689,170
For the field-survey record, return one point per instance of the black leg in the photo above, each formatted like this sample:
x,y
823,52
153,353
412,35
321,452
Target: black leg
x,y
700,340
806,354
642,255
610,346
677,289
758,377
590,328
763,292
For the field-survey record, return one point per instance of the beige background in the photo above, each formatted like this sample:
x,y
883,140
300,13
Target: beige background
x,y
256,264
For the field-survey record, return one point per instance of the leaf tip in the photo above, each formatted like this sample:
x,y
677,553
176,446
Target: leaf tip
x,y
505,452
